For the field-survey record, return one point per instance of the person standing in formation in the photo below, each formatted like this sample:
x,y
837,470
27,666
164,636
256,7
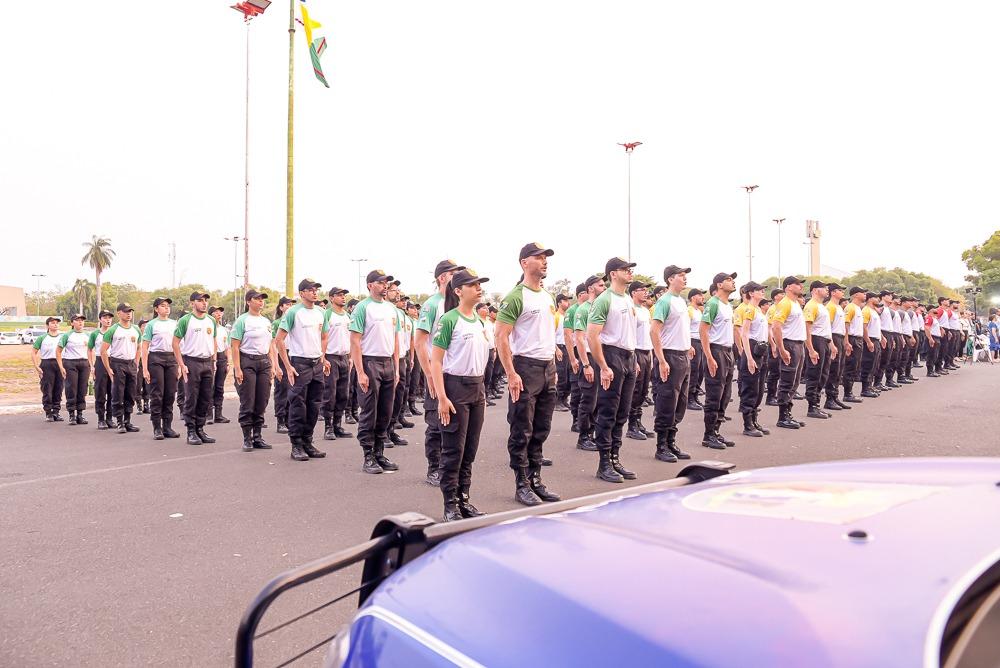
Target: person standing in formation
x,y
194,351
670,329
141,386
841,346
696,309
562,358
301,343
639,294
280,373
338,354
571,358
483,311
773,359
875,344
586,381
43,356
716,334
71,354
854,344
416,372
526,345
753,362
102,381
819,348
221,366
120,355
405,336
788,330
253,355
935,340
159,368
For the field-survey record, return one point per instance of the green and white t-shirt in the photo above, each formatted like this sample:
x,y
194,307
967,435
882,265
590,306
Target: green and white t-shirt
x,y
221,338
643,341
580,323
430,313
673,312
532,314
569,322
490,329
464,342
123,342
719,315
160,334
74,345
197,335
617,313
405,331
378,325
46,345
305,327
339,339
253,332
96,337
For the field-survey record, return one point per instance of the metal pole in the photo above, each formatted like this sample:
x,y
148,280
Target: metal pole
x,y
236,276
246,177
750,190
359,261
628,157
778,222
289,210
38,292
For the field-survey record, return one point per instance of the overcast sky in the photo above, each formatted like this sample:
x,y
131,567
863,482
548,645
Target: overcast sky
x,y
464,129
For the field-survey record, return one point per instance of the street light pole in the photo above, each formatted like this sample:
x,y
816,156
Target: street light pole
x,y
236,273
778,222
629,147
750,190
38,292
359,261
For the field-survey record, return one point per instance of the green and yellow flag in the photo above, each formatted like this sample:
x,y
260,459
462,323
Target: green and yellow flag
x,y
316,46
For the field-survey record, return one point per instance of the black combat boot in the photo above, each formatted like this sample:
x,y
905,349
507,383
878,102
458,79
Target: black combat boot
x,y
771,400
642,428
414,410
80,419
464,505
523,494
605,470
258,440
722,439
831,405
749,428
710,440
616,464
247,437
785,420
56,417
663,453
396,439
538,487
192,437
672,445
370,465
157,430
328,433
298,454
382,461
433,475
48,416
404,423
129,427
219,417
120,426
756,424
633,431
452,512
168,432
585,442
816,413
311,451
282,427
205,438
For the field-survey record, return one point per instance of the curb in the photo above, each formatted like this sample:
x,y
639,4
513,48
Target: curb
x,y
36,409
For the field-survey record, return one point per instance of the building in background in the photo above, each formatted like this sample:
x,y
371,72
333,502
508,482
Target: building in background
x,y
12,301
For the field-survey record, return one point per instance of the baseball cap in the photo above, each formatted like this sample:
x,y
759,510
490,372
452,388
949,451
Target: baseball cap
x,y
615,264
105,313
776,292
125,307
467,277
78,316
352,302
213,309
722,276
871,295
253,294
673,269
395,282
535,248
817,284
580,288
198,295
376,275
559,297
791,280
637,285
856,290
885,293
835,286
308,284
286,300
694,292
52,319
596,278
446,265
752,286
162,300
334,291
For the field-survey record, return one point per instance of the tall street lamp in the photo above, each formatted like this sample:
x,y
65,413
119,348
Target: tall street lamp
x,y
750,190
629,147
778,222
359,261
236,273
38,292
973,292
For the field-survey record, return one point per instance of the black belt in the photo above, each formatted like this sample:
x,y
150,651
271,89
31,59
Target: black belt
x,y
616,349
336,356
196,359
377,358
252,356
121,359
719,346
531,361
465,380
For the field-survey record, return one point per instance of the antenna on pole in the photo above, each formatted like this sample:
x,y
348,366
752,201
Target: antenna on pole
x,y
172,258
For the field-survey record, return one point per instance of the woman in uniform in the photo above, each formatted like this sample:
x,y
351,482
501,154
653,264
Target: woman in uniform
x,y
142,385
253,356
74,367
159,368
459,353
280,380
43,356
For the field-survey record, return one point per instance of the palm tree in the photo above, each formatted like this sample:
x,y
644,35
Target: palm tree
x,y
98,256
83,290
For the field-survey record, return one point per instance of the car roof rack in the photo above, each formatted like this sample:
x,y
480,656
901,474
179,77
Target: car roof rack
x,y
399,539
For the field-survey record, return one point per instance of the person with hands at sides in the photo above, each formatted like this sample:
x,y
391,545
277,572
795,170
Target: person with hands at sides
x,y
43,356
194,350
875,345
526,344
375,353
102,381
819,347
716,333
253,356
301,343
639,294
280,377
562,358
120,355
458,361
572,361
753,363
670,331
854,343
934,334
338,354
585,380
159,368
221,366
71,354
788,332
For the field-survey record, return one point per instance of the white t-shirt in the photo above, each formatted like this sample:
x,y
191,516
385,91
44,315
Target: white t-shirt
x,y
46,345
856,326
886,318
674,313
160,334
197,336
339,337
616,312
532,314
305,327
643,340
464,342
789,314
378,325
253,332
123,342
837,325
74,345
819,317
221,338
490,330
560,332
719,315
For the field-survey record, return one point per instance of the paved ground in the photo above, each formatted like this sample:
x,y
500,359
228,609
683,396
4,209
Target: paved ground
x,y
97,572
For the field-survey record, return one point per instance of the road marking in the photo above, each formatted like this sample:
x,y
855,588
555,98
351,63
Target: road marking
x,y
79,474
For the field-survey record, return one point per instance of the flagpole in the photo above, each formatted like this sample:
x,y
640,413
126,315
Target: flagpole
x,y
246,176
289,211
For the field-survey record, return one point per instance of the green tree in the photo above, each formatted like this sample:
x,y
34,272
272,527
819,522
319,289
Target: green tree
x,y
561,286
98,256
83,290
984,263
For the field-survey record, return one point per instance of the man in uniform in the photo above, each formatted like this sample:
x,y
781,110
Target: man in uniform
x,y
670,327
375,354
416,371
572,359
716,334
301,344
352,389
430,313
102,381
405,336
696,306
773,359
221,366
854,344
43,356
338,354
838,359
933,333
900,304
788,330
753,363
874,348
280,376
638,292
141,387
819,347
120,354
611,331
562,358
585,381
884,381
526,345
253,358
195,351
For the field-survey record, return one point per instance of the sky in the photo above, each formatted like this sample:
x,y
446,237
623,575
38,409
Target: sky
x,y
464,129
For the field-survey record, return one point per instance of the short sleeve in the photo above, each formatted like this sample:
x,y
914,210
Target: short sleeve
x,y
37,344
182,326
288,320
711,311
358,319
147,334
661,310
239,327
810,312
63,340
599,311
511,307
444,330
582,314
782,310
109,335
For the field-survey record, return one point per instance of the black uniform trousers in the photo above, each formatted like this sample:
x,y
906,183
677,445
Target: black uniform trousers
x,y
491,361
751,385
870,360
255,390
837,366
818,372
563,372
574,390
852,364
52,386
644,358
376,404
773,373
336,387
281,395
77,377
102,391
198,390
460,438
933,361
884,359
141,389
790,374
219,382
162,384
530,417
697,371
305,398
718,388
587,406
402,392
123,387
352,391
417,379
614,404
670,398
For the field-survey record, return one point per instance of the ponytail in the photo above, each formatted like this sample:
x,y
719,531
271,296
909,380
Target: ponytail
x,y
450,298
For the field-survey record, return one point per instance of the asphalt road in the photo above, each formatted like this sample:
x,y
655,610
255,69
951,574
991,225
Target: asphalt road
x,y
97,572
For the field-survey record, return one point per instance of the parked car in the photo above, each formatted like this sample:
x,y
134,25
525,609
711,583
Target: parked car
x,y
9,338
874,562
29,335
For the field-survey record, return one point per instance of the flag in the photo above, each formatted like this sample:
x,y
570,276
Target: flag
x,y
316,46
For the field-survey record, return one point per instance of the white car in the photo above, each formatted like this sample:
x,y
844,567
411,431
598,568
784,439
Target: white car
x,y
29,335
10,338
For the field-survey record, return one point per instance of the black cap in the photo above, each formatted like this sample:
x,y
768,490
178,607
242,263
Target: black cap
x,y
52,319
467,277
105,312
885,293
856,290
142,322
637,285
198,295
694,292
776,292
78,316
446,265
394,283
535,248
791,280
352,302
287,300
580,288
752,286
125,307
376,275
253,294
334,291
493,309
559,297
309,284
871,295
162,300
835,286
673,269
817,284
721,277
596,278
615,264
213,309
